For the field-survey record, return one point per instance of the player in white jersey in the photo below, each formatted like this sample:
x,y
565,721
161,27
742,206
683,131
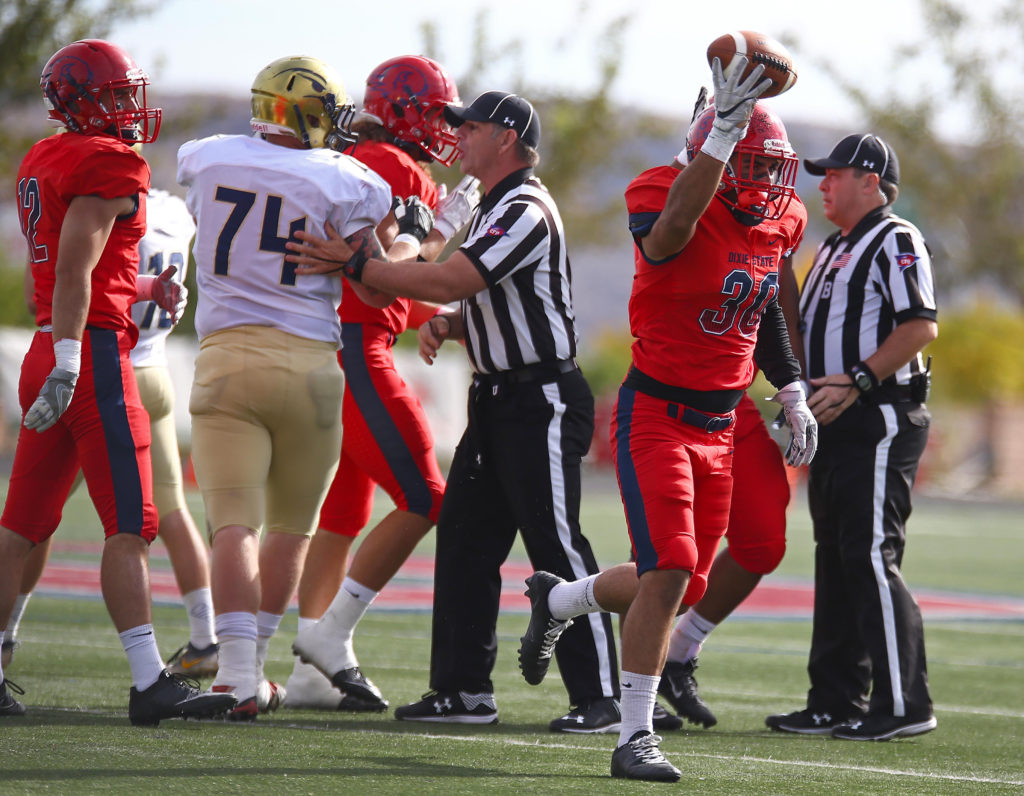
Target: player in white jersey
x,y
168,233
266,399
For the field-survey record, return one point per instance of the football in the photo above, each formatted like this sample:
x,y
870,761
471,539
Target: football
x,y
759,49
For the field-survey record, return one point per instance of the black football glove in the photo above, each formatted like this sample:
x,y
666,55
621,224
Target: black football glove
x,y
414,218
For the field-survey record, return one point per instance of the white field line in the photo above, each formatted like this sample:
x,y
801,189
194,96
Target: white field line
x,y
605,750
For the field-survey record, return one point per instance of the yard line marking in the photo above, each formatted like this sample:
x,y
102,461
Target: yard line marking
x,y
505,741
604,750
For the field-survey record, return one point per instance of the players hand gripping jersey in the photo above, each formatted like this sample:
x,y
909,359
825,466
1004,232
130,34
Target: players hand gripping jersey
x,y
78,165
239,250
165,244
406,178
695,315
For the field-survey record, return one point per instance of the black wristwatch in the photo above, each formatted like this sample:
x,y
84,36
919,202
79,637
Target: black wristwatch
x,y
863,379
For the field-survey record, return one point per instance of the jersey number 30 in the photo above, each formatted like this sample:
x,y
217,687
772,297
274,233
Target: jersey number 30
x,y
737,310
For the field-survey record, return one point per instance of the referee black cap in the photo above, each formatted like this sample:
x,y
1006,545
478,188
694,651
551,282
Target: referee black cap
x,y
499,107
862,151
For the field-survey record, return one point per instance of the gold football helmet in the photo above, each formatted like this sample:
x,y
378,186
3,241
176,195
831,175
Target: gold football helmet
x,y
303,97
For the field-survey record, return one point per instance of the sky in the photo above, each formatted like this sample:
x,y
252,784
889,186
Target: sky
x,y
219,45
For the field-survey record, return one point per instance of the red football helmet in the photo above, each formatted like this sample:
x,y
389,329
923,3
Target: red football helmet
x,y
759,179
92,87
407,96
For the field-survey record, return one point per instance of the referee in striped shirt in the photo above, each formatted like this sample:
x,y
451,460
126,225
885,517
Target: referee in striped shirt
x,y
866,311
531,420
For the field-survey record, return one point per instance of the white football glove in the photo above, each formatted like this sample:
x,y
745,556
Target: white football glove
x,y
803,441
734,102
456,208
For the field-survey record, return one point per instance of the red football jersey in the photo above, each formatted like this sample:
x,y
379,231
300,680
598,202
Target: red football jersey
x,y
55,171
695,315
406,178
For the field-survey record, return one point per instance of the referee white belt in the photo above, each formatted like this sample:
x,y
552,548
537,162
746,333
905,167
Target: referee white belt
x,y
538,371
710,423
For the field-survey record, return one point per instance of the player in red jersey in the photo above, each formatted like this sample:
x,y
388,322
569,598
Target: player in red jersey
x,y
709,239
387,439
81,202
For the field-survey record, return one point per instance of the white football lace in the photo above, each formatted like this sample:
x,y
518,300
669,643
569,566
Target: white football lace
x,y
551,636
646,749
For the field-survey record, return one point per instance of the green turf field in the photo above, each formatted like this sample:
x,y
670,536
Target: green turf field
x,y
76,738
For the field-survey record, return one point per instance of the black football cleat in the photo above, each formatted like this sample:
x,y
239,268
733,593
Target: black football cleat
x,y
9,706
641,758
679,687
543,632
175,697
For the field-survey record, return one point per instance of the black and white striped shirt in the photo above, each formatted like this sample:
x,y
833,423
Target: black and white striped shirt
x,y
860,288
525,314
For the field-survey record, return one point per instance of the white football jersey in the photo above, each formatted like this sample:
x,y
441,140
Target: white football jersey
x,y
169,230
248,197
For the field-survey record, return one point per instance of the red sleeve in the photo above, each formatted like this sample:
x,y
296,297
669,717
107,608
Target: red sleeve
x,y
420,313
398,170
108,173
647,193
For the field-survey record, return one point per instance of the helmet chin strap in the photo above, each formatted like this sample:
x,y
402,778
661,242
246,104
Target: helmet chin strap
x,y
749,217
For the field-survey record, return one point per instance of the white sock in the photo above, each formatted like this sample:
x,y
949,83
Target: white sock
x,y
16,613
199,605
573,598
266,626
688,636
347,608
306,621
236,665
1,665
639,692
143,657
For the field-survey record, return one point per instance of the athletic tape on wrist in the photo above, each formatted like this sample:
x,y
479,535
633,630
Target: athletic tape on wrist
x,y
409,238
68,353
718,145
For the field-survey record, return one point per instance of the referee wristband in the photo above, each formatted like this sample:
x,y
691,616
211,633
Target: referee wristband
x,y
447,322
863,378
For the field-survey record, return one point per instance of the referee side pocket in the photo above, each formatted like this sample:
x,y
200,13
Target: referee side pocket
x,y
920,416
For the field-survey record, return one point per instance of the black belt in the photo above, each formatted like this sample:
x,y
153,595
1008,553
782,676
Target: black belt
x,y
710,423
889,394
717,402
538,371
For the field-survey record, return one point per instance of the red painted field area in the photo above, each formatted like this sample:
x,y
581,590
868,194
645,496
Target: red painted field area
x,y
412,588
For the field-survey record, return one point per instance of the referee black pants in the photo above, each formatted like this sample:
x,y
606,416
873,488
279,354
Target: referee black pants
x,y
867,647
517,468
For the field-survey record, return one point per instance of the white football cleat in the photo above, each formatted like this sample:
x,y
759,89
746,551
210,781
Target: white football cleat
x,y
309,689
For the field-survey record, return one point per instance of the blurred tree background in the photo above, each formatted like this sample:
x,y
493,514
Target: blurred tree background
x,y
30,32
967,196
